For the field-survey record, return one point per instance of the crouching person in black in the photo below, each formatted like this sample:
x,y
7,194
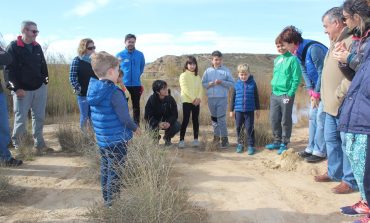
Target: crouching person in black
x,y
161,112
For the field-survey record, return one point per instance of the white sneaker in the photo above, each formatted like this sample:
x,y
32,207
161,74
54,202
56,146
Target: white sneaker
x,y
196,143
181,144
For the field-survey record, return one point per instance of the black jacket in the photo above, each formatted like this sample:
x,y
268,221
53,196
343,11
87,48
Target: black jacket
x,y
5,59
28,71
157,110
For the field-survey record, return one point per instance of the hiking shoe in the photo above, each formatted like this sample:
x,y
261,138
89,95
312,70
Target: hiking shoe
x,y
272,146
314,159
13,162
224,142
195,143
283,148
251,150
360,208
365,219
303,154
239,148
181,144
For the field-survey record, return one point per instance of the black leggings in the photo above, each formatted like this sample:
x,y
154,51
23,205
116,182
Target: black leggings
x,y
186,109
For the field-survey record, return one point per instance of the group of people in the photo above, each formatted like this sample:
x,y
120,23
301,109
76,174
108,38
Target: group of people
x,y
336,79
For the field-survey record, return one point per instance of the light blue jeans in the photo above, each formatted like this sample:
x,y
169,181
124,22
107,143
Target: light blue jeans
x,y
316,142
36,101
217,108
339,167
84,112
4,129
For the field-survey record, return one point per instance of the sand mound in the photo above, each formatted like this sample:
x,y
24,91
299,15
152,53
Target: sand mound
x,y
286,161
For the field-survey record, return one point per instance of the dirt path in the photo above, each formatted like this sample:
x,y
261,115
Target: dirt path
x,y
232,187
261,188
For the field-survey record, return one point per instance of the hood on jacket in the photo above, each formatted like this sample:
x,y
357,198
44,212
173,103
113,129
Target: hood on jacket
x,y
98,90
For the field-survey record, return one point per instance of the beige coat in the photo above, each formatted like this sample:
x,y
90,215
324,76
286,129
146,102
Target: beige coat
x,y
334,85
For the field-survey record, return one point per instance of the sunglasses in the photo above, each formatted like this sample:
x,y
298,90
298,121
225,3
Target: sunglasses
x,y
34,31
91,48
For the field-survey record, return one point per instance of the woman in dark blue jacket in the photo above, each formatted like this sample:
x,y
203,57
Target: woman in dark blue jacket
x,y
354,117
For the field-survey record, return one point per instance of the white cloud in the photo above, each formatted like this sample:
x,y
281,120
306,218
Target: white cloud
x,y
87,7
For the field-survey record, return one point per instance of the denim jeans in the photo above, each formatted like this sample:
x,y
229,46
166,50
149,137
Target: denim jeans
x,y
85,113
4,129
316,141
217,108
339,167
112,161
245,120
36,101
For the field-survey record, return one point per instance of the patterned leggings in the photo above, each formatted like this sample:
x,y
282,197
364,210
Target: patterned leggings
x,y
356,148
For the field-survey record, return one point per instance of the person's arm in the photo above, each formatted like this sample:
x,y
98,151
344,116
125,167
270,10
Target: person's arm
x,y
318,56
142,64
229,81
342,89
256,98
120,106
149,114
5,57
205,82
44,68
296,76
73,77
306,79
185,87
10,72
232,103
173,110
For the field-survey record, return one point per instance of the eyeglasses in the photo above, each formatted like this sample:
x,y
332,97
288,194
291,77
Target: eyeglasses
x,y
35,31
91,48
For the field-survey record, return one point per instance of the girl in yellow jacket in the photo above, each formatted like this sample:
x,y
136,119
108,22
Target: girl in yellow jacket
x,y
191,91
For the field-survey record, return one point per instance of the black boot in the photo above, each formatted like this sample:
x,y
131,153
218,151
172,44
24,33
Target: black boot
x,y
224,142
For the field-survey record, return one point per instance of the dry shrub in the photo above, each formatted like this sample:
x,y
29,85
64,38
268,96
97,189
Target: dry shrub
x,y
148,193
25,149
73,140
7,190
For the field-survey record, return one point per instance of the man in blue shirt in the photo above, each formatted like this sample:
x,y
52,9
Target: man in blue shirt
x,y
132,65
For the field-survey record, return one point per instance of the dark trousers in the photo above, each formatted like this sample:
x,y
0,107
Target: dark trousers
x,y
188,108
112,161
168,133
245,120
281,118
367,171
135,93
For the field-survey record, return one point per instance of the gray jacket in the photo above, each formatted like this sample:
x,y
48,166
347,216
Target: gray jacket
x,y
222,73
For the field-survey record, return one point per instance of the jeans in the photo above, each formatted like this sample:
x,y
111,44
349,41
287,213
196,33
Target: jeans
x,y
339,167
217,108
281,118
316,141
135,93
112,162
4,129
85,114
245,120
188,108
36,101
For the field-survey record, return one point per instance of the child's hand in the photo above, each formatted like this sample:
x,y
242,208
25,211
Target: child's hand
x,y
231,114
138,132
257,114
218,81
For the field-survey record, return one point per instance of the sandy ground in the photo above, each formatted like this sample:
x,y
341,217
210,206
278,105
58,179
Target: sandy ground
x,y
232,187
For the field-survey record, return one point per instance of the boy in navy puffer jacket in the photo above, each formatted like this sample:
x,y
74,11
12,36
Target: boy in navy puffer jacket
x,y
111,121
244,104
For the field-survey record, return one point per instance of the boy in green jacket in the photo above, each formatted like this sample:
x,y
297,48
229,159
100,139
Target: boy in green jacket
x,y
284,84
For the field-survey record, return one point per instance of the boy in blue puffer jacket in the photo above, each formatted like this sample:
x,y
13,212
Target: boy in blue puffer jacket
x,y
111,121
244,103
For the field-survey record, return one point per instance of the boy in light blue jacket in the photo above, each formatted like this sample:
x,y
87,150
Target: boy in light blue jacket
x,y
217,80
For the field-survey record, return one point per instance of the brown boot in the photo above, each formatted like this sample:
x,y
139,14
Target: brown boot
x,y
342,188
323,178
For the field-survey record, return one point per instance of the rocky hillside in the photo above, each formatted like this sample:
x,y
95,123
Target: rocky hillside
x,y
171,66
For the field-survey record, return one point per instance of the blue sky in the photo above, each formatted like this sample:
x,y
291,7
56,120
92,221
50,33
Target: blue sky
x,y
165,27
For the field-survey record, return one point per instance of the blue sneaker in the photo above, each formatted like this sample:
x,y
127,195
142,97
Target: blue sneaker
x,y
272,146
239,148
283,148
251,150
